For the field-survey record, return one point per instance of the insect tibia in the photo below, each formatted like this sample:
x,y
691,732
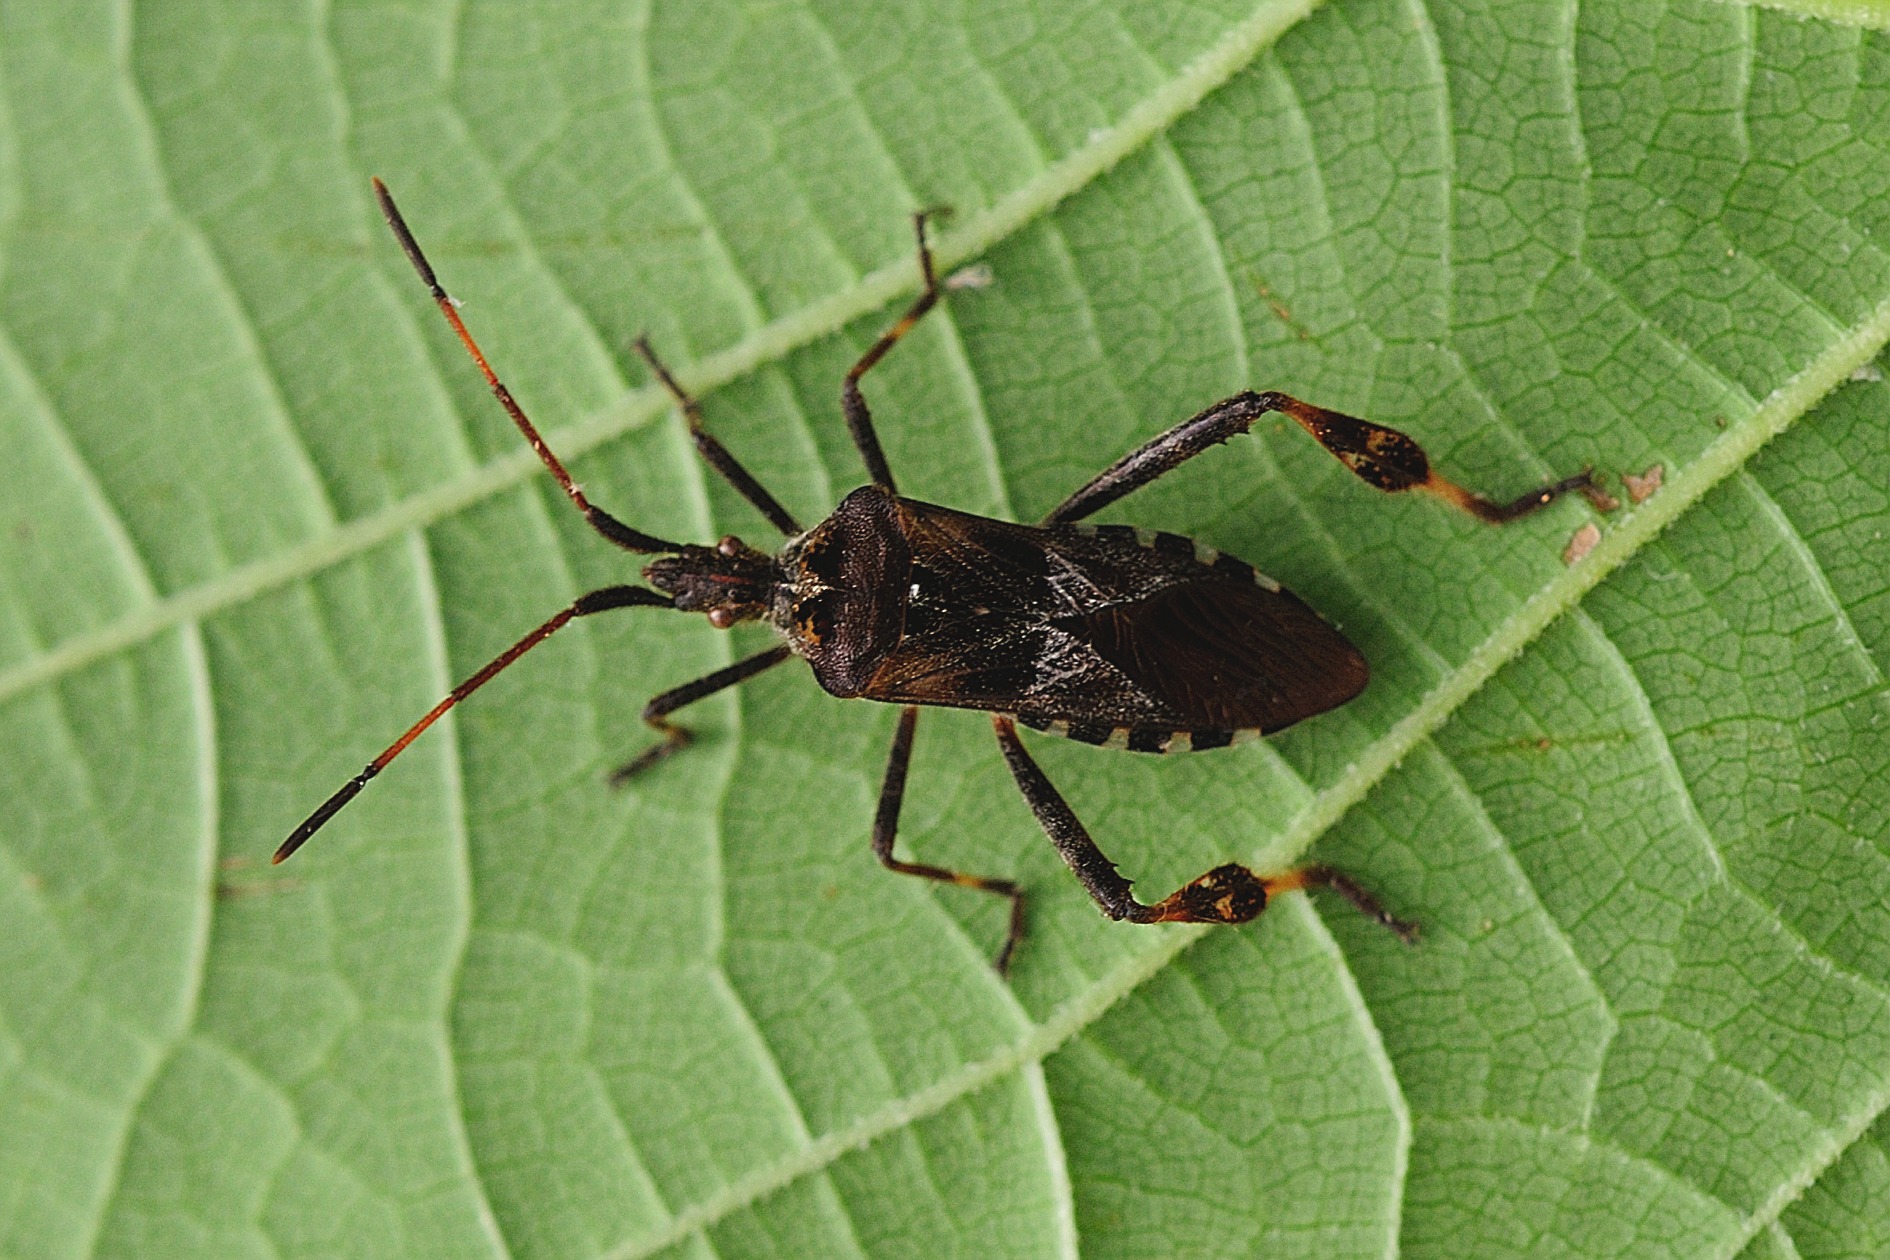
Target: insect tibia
x,y
1381,456
1393,461
1234,894
1226,894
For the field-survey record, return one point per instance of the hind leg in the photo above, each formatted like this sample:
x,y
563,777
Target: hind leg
x,y
1381,456
1227,894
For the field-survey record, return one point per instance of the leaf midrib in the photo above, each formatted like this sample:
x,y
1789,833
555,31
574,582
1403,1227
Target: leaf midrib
x,y
773,341
767,344
1726,455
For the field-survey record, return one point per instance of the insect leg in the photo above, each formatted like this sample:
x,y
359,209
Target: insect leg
x,y
713,453
595,602
1381,456
1096,872
676,738
1339,882
601,521
1227,894
852,403
892,794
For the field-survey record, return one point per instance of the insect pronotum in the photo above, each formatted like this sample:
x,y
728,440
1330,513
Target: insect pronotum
x,y
1108,634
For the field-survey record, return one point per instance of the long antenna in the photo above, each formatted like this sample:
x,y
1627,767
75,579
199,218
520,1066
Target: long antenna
x,y
601,521
596,601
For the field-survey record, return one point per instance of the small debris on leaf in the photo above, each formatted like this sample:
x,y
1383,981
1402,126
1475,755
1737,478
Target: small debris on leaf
x,y
1599,499
976,276
1640,488
1582,543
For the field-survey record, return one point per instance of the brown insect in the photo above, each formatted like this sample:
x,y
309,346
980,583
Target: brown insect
x,y
1107,634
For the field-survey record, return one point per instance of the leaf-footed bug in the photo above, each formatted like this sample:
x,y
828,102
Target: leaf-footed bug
x,y
1116,636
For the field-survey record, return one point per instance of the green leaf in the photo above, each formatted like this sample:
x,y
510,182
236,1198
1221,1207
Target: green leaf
x,y
258,513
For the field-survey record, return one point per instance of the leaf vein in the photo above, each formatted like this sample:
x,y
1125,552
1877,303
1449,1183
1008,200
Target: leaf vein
x,y
459,838
1023,205
1557,596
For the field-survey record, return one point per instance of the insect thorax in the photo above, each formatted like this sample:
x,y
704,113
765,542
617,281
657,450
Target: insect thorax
x,y
841,601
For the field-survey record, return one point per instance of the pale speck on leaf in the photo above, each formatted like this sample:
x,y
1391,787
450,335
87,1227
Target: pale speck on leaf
x,y
1581,543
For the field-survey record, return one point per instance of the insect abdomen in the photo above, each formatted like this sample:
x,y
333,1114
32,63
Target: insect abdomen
x,y
1141,739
